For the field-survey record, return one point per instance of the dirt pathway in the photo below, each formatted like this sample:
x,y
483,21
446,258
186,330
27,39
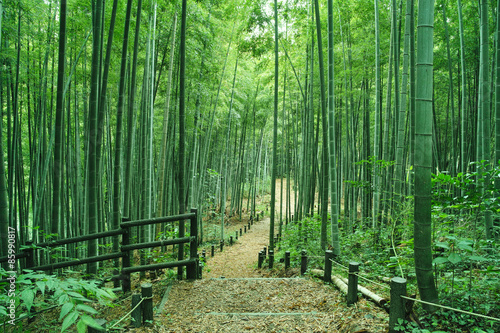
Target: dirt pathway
x,y
233,296
239,259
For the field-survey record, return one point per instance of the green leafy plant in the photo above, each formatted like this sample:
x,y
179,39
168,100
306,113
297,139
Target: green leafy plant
x,y
41,291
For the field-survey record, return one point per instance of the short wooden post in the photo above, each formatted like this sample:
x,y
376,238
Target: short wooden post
x,y
260,260
147,303
204,255
213,250
248,226
265,251
287,259
231,240
100,322
352,283
236,234
136,310
251,219
303,262
192,269
327,277
241,232
245,228
221,245
271,258
398,306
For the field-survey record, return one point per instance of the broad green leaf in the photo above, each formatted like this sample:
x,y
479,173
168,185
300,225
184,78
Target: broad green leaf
x,y
66,308
81,327
465,245
69,320
3,310
454,258
477,258
78,296
62,299
440,260
89,321
41,286
28,295
443,245
86,308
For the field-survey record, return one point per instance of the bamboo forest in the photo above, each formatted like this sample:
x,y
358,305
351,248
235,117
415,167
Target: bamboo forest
x,y
241,166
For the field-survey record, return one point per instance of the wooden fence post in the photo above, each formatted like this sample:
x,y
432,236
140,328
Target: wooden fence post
x,y
100,322
398,306
192,269
125,260
287,259
327,277
260,260
147,303
213,250
221,245
248,226
271,258
136,315
236,234
245,228
303,262
231,240
352,283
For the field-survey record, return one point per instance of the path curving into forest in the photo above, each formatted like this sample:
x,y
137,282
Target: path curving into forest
x,y
234,296
238,260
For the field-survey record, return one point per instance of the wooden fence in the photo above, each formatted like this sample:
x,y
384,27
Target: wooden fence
x,y
29,253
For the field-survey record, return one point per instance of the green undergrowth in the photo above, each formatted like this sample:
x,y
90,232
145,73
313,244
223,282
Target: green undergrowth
x,y
466,264
25,295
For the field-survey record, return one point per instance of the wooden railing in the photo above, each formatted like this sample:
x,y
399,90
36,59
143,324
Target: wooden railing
x,y
30,253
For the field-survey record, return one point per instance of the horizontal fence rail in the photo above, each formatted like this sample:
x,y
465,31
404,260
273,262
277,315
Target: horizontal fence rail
x,y
29,252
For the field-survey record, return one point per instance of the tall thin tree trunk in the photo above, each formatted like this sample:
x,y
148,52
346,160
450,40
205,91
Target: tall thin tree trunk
x,y
275,130
324,127
332,163
58,163
182,130
423,154
93,168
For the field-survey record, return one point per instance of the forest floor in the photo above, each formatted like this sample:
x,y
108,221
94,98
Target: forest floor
x,y
235,296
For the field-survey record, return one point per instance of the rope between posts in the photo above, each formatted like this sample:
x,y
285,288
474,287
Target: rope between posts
x,y
130,312
452,309
361,277
371,281
336,263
